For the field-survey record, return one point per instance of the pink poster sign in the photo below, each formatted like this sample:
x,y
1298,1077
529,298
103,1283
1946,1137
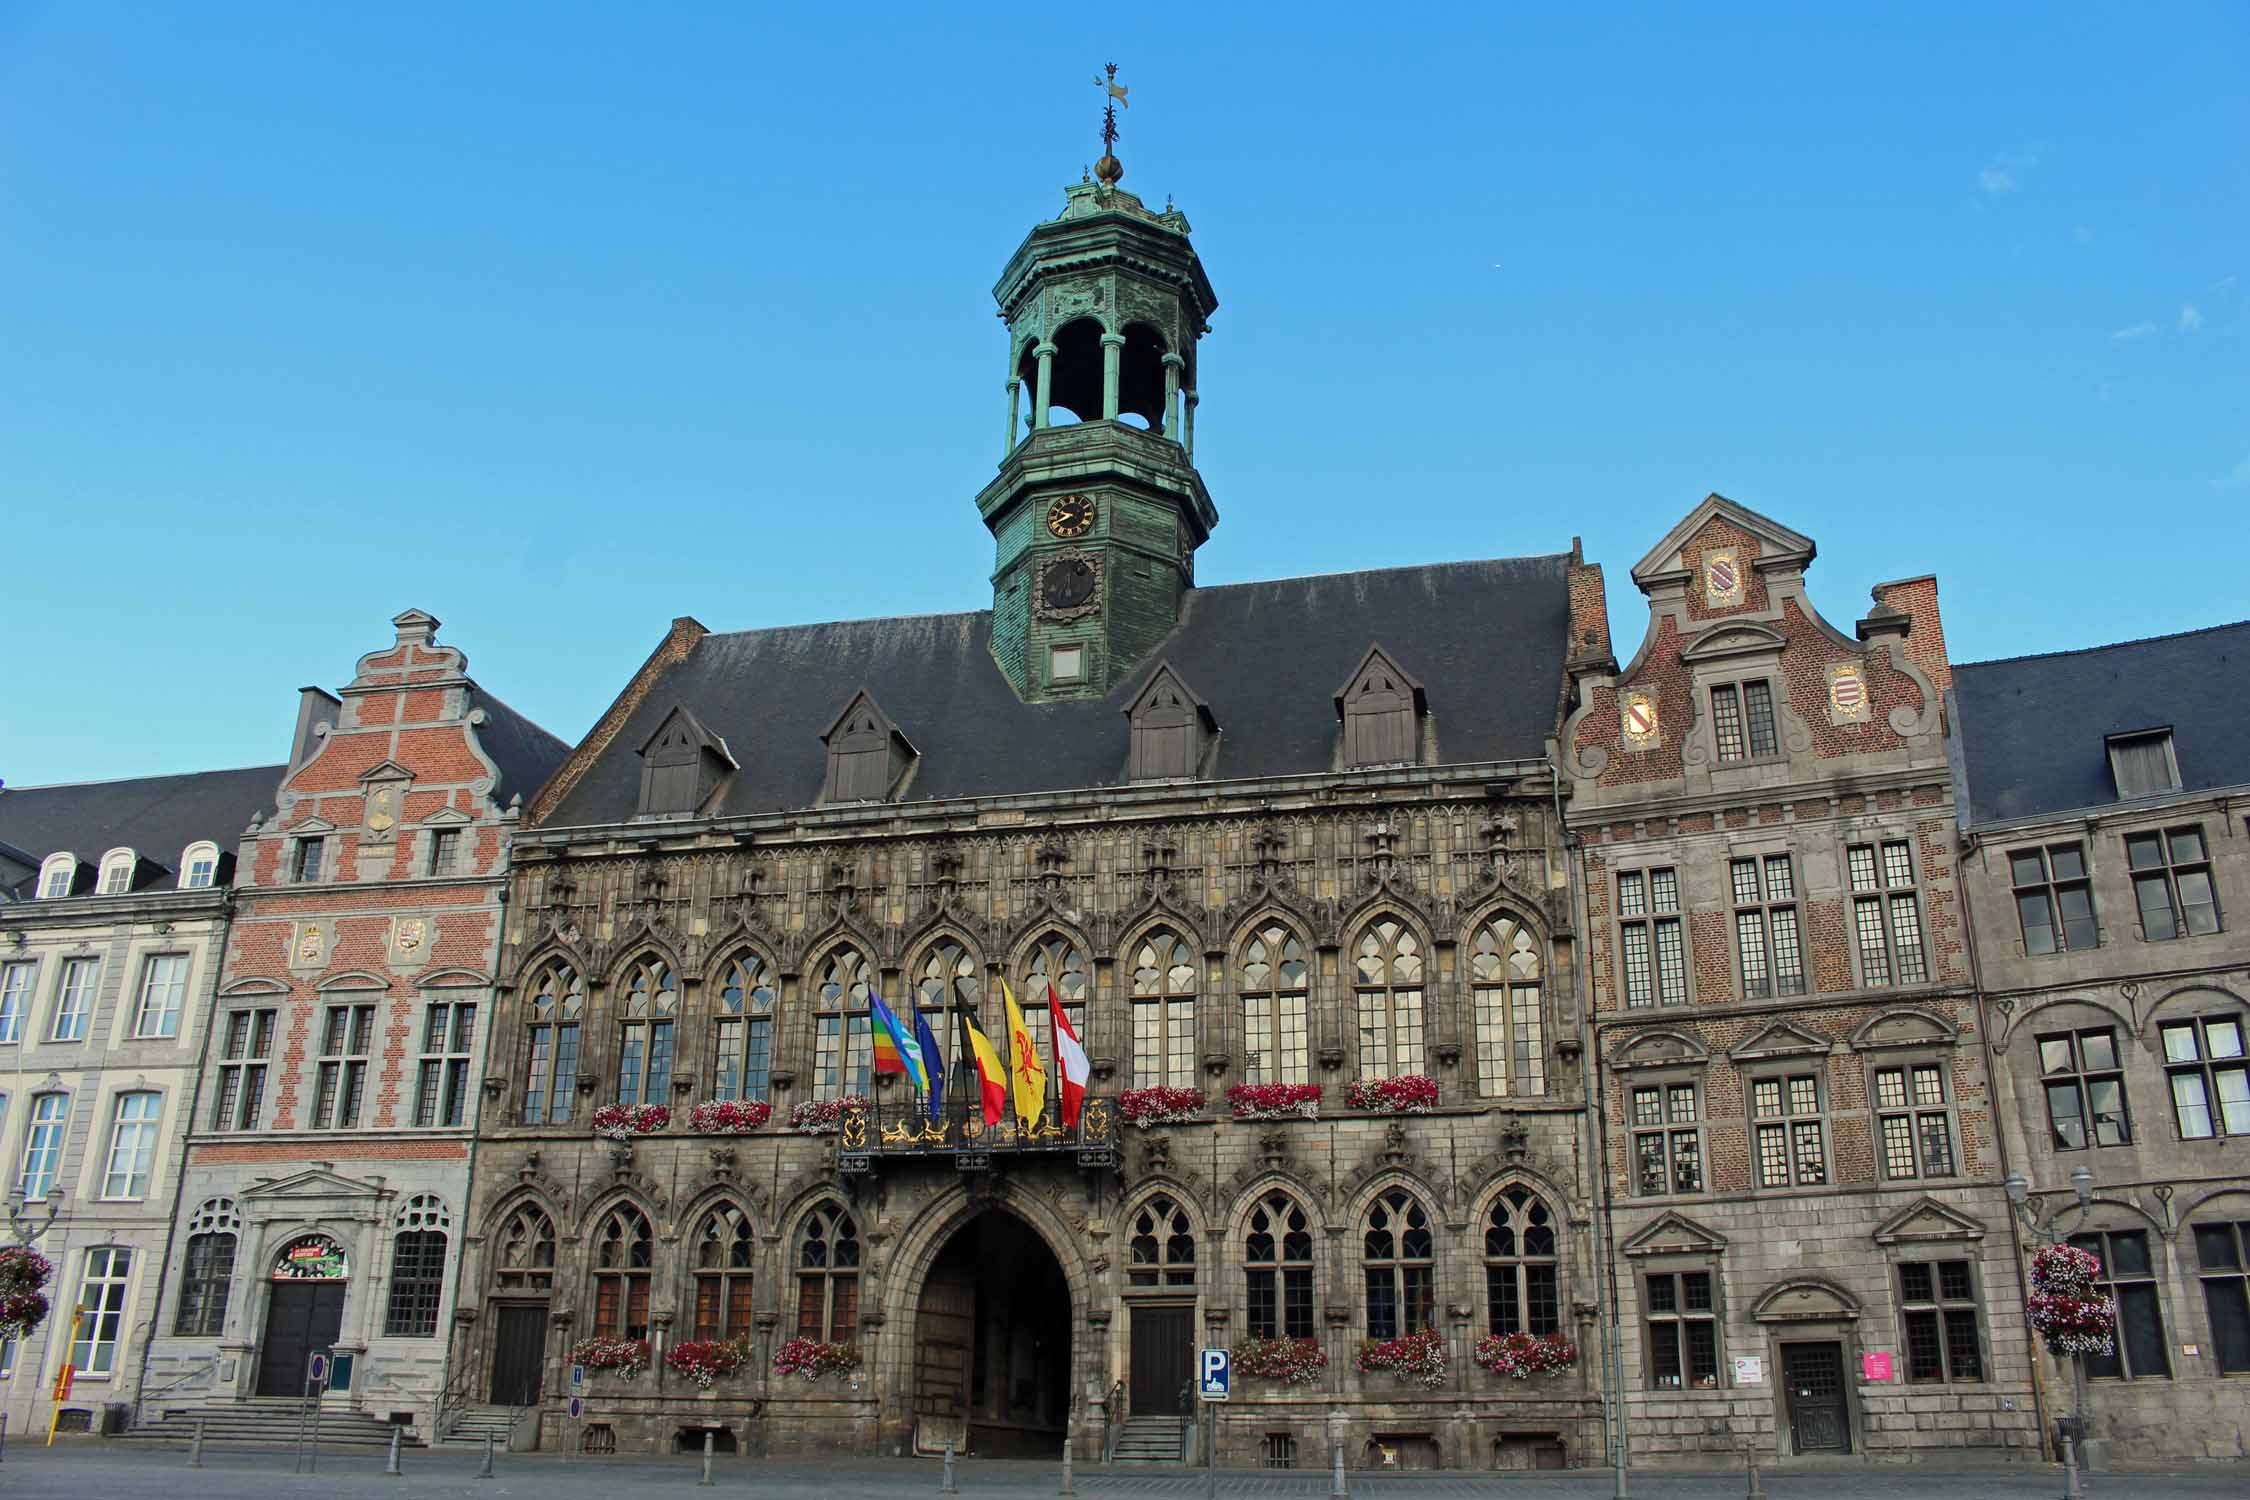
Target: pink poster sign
x,y
1875,1365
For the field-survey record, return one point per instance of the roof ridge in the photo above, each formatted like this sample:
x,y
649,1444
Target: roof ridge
x,y
60,786
2146,640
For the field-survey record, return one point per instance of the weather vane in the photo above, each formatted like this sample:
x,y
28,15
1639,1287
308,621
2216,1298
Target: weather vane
x,y
1109,169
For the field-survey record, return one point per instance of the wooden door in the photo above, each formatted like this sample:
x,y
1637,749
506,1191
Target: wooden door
x,y
944,1338
1163,1357
303,1318
1813,1375
519,1346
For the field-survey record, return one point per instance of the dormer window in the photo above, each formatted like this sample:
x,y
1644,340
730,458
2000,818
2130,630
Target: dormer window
x,y
681,765
1172,730
199,867
1382,709
867,756
2143,764
117,872
60,874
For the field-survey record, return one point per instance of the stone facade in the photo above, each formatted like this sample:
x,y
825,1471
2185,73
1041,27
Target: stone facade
x,y
328,1158
1800,1179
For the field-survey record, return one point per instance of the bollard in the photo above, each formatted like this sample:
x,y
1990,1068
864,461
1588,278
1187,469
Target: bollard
x,y
1066,1485
1337,1488
947,1486
390,1465
486,1471
195,1448
705,1481
1754,1492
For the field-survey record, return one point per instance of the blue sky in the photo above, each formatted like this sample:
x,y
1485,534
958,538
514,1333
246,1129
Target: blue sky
x,y
562,320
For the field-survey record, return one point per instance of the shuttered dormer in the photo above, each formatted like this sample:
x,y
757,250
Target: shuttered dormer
x,y
1382,709
1173,730
681,765
868,758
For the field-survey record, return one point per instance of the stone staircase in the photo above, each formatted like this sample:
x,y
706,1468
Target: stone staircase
x,y
471,1424
1151,1440
262,1424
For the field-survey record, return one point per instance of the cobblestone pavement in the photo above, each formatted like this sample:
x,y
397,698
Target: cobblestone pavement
x,y
85,1472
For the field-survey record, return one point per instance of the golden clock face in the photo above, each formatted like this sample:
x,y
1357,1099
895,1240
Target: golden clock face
x,y
1072,515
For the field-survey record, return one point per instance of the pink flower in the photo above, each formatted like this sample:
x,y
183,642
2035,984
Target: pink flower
x,y
1154,1106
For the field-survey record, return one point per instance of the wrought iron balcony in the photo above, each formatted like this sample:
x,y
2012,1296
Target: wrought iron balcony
x,y
904,1132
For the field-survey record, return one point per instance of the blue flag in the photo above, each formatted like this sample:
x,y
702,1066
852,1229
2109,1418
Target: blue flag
x,y
931,1061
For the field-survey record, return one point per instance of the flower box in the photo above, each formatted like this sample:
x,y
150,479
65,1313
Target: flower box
x,y
1290,1361
705,1360
23,1305
1275,1101
811,1359
1419,1357
1407,1094
2065,1308
1160,1105
1519,1356
822,1116
729,1116
621,1122
622,1357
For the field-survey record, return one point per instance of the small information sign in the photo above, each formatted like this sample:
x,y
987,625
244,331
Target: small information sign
x,y
1749,1369
1214,1374
1875,1364
577,1407
316,1370
578,1377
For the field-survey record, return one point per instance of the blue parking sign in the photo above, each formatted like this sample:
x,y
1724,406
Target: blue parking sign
x,y
1214,1372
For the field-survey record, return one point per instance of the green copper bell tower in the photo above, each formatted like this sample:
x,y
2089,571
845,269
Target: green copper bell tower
x,y
1097,509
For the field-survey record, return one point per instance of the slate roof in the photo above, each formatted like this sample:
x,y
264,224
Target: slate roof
x,y
156,816
525,754
1486,640
2033,729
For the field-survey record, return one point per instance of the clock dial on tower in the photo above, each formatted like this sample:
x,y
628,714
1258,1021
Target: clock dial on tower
x,y
1071,516
1066,584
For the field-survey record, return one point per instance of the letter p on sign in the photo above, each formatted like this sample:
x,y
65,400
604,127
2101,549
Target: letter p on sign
x,y
1212,1374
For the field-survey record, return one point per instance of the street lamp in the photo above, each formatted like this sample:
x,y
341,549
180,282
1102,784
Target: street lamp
x,y
23,1224
2019,1195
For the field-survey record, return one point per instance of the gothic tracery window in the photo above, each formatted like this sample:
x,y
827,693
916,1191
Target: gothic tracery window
x,y
558,1003
843,1058
1504,985
526,1261
1059,961
1164,987
1278,1269
947,978
1398,1259
649,1000
624,1256
1521,1290
724,1247
1162,1249
1387,972
1273,978
742,1029
828,1275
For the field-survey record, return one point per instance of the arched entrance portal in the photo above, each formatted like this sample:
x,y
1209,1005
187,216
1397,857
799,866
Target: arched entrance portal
x,y
992,1343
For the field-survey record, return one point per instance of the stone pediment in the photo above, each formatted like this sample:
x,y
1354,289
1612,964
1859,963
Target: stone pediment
x,y
1659,1049
318,1183
1805,1299
1928,1222
1905,1028
1775,541
1676,1234
1782,1039
386,770
447,817
1737,638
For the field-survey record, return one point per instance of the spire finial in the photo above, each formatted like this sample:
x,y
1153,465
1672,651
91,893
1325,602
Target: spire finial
x,y
1109,169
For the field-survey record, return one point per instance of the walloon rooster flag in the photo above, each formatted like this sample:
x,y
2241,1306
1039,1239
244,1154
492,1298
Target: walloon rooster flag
x,y
1029,1072
1070,1056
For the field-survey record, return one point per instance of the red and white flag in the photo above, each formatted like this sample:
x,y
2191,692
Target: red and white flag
x,y
1070,1055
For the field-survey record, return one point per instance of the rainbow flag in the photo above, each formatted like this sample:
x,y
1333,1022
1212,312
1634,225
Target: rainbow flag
x,y
896,1051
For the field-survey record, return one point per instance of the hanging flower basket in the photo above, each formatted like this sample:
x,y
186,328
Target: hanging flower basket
x,y
823,1116
1419,1357
1290,1361
623,1357
621,1122
812,1359
1275,1101
1407,1094
1160,1105
1519,1356
705,1360
23,1305
2064,1308
729,1116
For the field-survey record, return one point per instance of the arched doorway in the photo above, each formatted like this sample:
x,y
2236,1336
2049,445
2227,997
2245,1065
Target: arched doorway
x,y
992,1342
304,1312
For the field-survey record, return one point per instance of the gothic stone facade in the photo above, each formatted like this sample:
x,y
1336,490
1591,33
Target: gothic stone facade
x,y
1799,1159
328,1160
2107,876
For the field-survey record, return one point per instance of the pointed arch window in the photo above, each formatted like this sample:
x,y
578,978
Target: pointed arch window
x,y
1055,960
644,1038
550,1086
624,1253
724,1247
742,1033
1506,997
947,977
1521,1288
526,1262
1398,1259
1273,980
214,1234
1387,971
1162,1251
843,1060
828,1275
1165,975
1278,1269
417,1268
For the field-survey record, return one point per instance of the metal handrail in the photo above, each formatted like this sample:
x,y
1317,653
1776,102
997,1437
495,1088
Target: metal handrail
x,y
210,1367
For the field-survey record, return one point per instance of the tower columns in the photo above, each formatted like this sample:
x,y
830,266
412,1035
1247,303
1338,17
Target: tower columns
x,y
1045,353
1113,357
1015,405
1187,429
1173,364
